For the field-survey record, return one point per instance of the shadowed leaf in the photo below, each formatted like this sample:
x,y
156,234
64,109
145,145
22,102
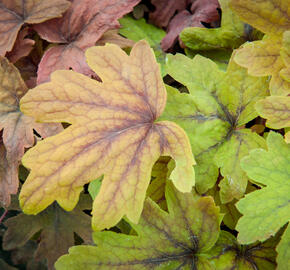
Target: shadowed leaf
x,y
80,27
113,132
228,254
57,229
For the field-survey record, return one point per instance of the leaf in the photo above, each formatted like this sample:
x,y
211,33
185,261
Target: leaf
x,y
265,211
213,115
231,34
283,251
17,129
265,57
112,36
113,132
6,266
57,229
18,12
164,11
156,189
228,254
138,29
80,27
276,109
202,11
269,16
178,240
22,46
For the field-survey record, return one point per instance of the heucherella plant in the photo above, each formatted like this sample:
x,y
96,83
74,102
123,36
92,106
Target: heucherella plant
x,y
117,155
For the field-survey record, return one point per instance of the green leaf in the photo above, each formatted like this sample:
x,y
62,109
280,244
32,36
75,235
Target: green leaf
x,y
283,250
213,115
265,211
156,189
138,29
230,35
94,187
179,239
57,230
220,56
228,254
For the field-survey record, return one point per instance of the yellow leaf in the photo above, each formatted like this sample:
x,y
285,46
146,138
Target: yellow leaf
x,y
113,133
269,16
276,109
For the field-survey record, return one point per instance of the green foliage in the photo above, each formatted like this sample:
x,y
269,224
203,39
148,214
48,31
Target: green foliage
x,y
180,238
221,104
213,114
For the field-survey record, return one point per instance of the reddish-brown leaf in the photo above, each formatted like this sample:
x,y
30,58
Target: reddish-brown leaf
x,y
16,128
165,9
201,11
81,26
22,46
14,13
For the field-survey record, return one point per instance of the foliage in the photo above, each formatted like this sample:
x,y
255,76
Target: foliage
x,y
173,116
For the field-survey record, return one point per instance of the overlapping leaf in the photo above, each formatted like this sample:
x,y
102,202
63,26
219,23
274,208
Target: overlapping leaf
x,y
15,13
79,28
276,109
164,11
231,34
22,46
138,29
265,211
113,132
264,57
178,240
57,229
17,129
213,114
228,254
202,11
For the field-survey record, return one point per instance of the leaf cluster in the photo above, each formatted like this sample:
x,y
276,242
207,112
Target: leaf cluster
x,y
116,154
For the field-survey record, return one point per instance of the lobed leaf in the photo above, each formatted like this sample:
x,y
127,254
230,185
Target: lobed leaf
x,y
15,13
213,114
276,109
179,239
269,16
80,27
57,229
265,211
114,132
228,254
231,34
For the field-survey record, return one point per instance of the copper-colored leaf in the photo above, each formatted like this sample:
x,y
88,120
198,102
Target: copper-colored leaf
x,y
14,13
22,46
17,128
165,9
112,36
201,11
113,132
79,28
